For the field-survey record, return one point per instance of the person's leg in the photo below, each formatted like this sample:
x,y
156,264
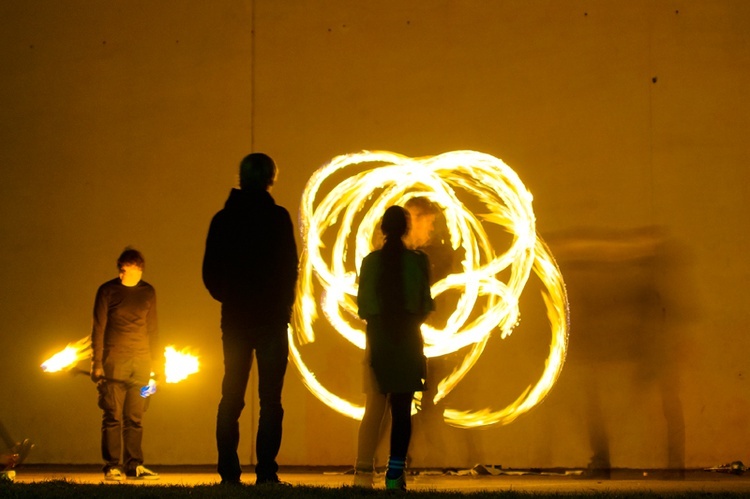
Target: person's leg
x,y
111,400
132,421
400,436
369,431
272,352
238,358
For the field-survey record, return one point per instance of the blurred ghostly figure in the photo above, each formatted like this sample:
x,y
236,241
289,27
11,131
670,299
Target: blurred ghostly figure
x,y
429,234
626,307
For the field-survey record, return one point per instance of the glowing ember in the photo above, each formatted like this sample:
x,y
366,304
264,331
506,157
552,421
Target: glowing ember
x,y
349,214
69,356
179,365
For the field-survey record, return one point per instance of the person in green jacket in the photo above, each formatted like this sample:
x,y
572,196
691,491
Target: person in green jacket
x,y
394,299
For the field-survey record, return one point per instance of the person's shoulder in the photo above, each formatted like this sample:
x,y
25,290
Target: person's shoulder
x,y
146,286
112,283
281,211
416,254
372,257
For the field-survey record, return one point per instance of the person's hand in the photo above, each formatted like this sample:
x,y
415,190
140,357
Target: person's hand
x,y
97,374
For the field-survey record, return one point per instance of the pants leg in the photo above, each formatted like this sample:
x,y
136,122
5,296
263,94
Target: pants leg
x,y
369,430
132,428
111,401
272,352
132,414
238,359
400,423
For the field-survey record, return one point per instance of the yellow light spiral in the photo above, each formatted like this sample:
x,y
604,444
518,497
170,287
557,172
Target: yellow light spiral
x,y
487,288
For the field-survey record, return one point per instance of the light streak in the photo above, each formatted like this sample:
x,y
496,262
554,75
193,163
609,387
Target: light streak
x,y
69,356
179,365
348,215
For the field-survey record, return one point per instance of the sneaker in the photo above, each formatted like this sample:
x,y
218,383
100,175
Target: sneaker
x,y
231,482
396,484
114,475
362,479
142,473
271,480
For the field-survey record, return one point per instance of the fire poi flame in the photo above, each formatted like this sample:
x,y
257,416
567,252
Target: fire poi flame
x,y
179,365
350,212
69,356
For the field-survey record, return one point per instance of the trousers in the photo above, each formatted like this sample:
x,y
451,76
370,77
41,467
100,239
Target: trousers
x,y
270,346
123,407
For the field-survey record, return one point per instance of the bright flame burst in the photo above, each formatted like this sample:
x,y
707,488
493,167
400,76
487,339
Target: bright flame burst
x,y
179,365
68,357
351,211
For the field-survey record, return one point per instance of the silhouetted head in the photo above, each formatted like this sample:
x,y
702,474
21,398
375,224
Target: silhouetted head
x,y
130,266
131,257
257,171
395,223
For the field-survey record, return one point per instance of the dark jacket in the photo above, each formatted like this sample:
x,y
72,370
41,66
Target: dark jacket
x,y
250,264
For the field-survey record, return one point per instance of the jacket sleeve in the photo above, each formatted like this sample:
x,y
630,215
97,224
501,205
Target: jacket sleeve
x,y
97,330
213,258
289,261
367,300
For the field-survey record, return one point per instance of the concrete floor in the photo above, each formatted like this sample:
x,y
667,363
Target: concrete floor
x,y
560,482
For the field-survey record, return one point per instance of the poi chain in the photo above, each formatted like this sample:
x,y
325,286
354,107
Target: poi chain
x,y
349,214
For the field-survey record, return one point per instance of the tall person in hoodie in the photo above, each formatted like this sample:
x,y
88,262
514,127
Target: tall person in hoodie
x,y
250,266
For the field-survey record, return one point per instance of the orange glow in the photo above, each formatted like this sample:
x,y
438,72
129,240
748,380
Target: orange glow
x,y
68,357
486,306
179,365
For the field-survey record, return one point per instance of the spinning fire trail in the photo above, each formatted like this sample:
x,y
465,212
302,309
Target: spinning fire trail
x,y
178,365
349,213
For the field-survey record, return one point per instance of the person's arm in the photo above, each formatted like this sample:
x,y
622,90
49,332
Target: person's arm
x,y
97,334
213,267
289,261
366,293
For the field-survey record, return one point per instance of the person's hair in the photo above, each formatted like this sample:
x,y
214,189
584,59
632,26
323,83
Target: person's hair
x,y
395,224
131,257
257,171
423,204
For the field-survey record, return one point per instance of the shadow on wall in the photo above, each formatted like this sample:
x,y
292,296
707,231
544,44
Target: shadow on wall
x,y
628,299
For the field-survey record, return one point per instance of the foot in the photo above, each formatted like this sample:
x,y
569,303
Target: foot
x,y
142,473
231,481
271,480
396,484
362,479
114,475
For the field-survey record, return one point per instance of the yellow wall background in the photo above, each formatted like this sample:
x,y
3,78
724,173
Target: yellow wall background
x,y
123,123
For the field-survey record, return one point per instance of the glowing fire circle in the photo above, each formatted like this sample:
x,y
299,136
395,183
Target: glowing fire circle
x,y
349,213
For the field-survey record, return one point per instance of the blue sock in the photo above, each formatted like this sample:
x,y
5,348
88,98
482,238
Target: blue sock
x,y
396,467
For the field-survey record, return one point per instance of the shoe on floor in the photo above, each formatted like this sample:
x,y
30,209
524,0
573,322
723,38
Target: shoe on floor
x,y
362,479
271,480
396,484
142,473
114,475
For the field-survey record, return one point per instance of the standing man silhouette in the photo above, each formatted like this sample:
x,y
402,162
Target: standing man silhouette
x,y
250,266
125,346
